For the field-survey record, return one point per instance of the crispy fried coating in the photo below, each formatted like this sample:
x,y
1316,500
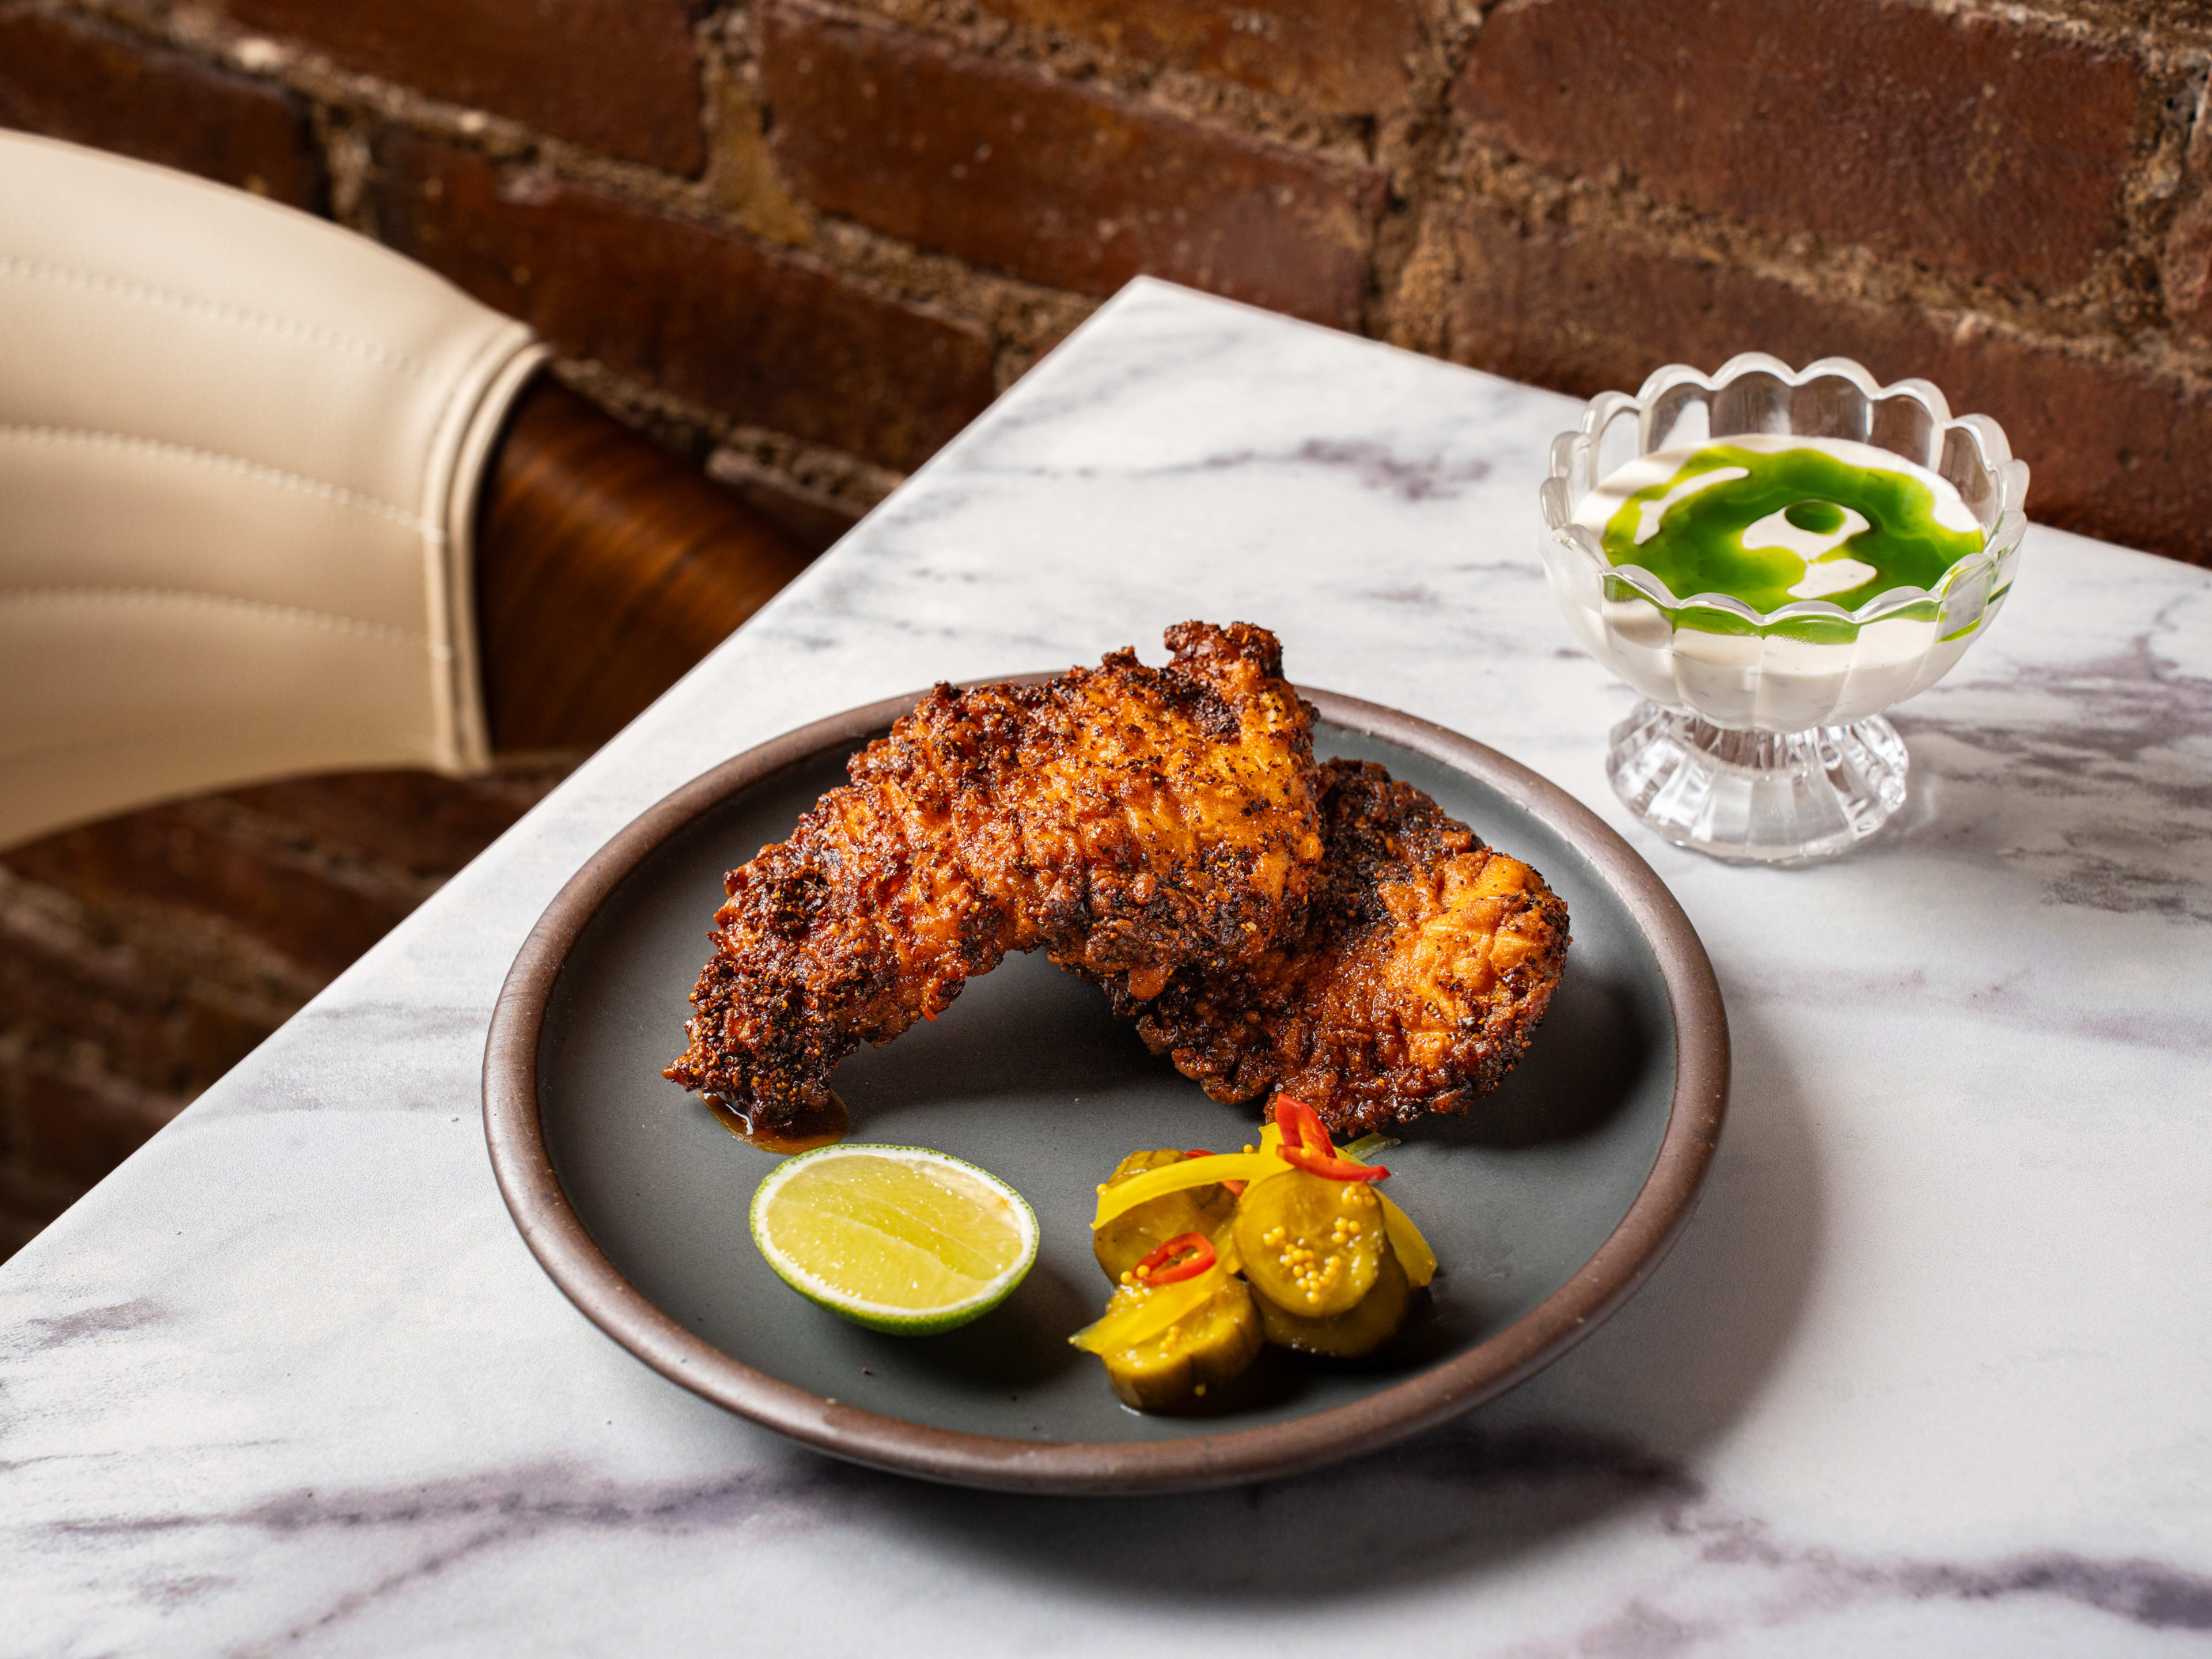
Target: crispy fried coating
x,y
1426,961
1126,819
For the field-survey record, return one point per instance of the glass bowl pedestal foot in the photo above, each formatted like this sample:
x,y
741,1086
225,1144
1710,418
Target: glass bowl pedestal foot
x,y
1757,797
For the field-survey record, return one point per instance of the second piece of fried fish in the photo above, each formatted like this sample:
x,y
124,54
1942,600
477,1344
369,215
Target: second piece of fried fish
x,y
1426,961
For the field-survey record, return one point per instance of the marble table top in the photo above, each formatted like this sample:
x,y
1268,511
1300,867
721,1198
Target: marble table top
x,y
1928,1372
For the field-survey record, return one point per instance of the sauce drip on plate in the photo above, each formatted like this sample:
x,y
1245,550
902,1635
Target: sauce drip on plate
x,y
818,1126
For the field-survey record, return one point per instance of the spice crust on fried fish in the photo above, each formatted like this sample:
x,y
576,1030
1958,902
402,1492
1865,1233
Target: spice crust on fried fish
x,y
1126,820
1426,963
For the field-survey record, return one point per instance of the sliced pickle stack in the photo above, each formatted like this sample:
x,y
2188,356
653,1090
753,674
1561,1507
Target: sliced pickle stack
x,y
1213,1256
1355,1332
1206,1348
1132,1236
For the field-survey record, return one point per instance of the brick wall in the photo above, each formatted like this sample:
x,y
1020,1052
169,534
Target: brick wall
x,y
140,958
802,242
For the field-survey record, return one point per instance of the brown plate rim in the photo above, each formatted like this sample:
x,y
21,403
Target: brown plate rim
x,y
555,1235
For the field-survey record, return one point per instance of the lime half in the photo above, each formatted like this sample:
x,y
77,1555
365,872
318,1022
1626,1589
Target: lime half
x,y
898,1238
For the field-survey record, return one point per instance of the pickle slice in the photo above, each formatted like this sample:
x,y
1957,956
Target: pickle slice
x,y
1370,1323
1208,1348
1310,1244
1135,1234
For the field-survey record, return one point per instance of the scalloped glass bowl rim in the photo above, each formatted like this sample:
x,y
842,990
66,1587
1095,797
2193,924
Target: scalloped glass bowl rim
x,y
2009,475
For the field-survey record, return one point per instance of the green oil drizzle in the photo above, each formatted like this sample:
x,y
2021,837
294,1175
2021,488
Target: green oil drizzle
x,y
1698,548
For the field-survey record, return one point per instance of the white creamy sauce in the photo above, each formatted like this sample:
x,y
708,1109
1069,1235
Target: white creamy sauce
x,y
1828,577
1775,682
1826,570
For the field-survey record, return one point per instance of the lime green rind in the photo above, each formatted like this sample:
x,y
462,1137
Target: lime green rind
x,y
880,1317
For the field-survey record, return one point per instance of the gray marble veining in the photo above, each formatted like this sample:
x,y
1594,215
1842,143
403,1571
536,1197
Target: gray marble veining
x,y
1928,1372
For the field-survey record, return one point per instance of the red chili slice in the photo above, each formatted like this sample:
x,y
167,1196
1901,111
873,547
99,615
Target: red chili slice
x,y
1306,1146
1330,1168
1190,1255
1301,1125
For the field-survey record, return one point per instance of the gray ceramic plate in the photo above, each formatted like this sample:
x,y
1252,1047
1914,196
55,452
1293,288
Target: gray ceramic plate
x,y
1547,1206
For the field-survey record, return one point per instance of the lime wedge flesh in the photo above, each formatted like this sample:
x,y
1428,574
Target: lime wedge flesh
x,y
898,1237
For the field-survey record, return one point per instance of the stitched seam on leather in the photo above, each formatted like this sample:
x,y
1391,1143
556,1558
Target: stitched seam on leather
x,y
145,294
444,697
260,609
336,494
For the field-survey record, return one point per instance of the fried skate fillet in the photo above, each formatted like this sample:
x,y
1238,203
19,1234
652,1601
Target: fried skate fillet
x,y
1426,961
1126,819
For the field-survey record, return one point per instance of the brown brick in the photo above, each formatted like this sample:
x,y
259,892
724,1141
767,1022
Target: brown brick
x,y
93,84
1340,57
78,1121
173,855
1961,140
28,1201
421,824
149,1029
2115,448
1004,165
770,337
616,75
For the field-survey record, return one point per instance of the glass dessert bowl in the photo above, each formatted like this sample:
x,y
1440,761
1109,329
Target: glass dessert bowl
x,y
1819,589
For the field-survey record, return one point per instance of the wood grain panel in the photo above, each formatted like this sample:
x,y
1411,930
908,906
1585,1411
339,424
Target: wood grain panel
x,y
605,568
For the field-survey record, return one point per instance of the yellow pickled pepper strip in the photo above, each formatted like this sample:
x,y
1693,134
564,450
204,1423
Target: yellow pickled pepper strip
x,y
1191,1172
1414,1254
1149,1314
1225,1246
